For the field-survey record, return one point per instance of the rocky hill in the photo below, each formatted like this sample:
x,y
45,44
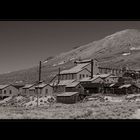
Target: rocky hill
x,y
117,50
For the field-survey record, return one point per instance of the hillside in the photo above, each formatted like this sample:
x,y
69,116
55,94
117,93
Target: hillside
x,y
117,50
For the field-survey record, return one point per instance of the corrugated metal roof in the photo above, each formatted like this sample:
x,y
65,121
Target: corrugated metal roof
x,y
104,75
73,84
62,82
125,86
3,86
75,69
67,94
88,79
28,86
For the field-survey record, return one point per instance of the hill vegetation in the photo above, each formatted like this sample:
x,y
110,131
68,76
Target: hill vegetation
x,y
117,50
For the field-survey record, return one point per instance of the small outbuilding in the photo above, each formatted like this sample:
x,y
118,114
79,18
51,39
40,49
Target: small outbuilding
x,y
68,97
128,89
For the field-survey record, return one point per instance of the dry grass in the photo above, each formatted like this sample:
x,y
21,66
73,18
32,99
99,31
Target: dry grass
x,y
87,110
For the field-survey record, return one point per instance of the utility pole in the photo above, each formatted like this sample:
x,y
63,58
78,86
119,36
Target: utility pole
x,y
58,76
91,68
39,71
39,80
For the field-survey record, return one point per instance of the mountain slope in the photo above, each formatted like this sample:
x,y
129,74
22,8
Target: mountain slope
x,y
117,50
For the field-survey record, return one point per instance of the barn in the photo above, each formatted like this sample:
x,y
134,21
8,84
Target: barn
x,y
68,97
7,90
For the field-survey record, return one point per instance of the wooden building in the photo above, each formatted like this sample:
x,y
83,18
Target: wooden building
x,y
60,87
68,97
128,89
44,89
91,88
26,88
120,88
8,90
78,72
75,87
19,87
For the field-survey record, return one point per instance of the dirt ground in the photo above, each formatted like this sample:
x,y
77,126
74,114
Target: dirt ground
x,y
94,109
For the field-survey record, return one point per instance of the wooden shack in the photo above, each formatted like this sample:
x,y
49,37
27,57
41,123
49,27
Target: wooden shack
x,y
68,97
26,88
91,88
128,89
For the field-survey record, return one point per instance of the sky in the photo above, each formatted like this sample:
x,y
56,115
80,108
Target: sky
x,y
24,43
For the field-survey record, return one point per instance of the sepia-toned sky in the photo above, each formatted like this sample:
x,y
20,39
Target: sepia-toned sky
x,y
24,43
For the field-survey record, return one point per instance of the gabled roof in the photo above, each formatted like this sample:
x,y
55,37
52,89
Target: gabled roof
x,y
41,85
88,79
67,94
28,86
3,86
105,75
75,69
73,84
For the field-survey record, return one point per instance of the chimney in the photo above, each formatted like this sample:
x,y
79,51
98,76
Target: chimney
x,y
91,68
58,75
39,72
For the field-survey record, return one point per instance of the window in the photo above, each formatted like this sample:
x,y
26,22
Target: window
x,y
80,76
10,91
83,75
87,75
4,91
46,91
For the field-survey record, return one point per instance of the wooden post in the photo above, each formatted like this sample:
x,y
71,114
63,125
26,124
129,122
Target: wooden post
x,y
59,75
91,68
39,80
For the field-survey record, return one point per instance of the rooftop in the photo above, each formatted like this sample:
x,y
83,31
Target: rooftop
x,y
88,79
62,82
67,94
28,86
3,86
73,84
105,75
40,85
125,86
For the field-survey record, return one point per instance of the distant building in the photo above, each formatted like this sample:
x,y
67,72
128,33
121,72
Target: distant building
x,y
78,72
7,90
